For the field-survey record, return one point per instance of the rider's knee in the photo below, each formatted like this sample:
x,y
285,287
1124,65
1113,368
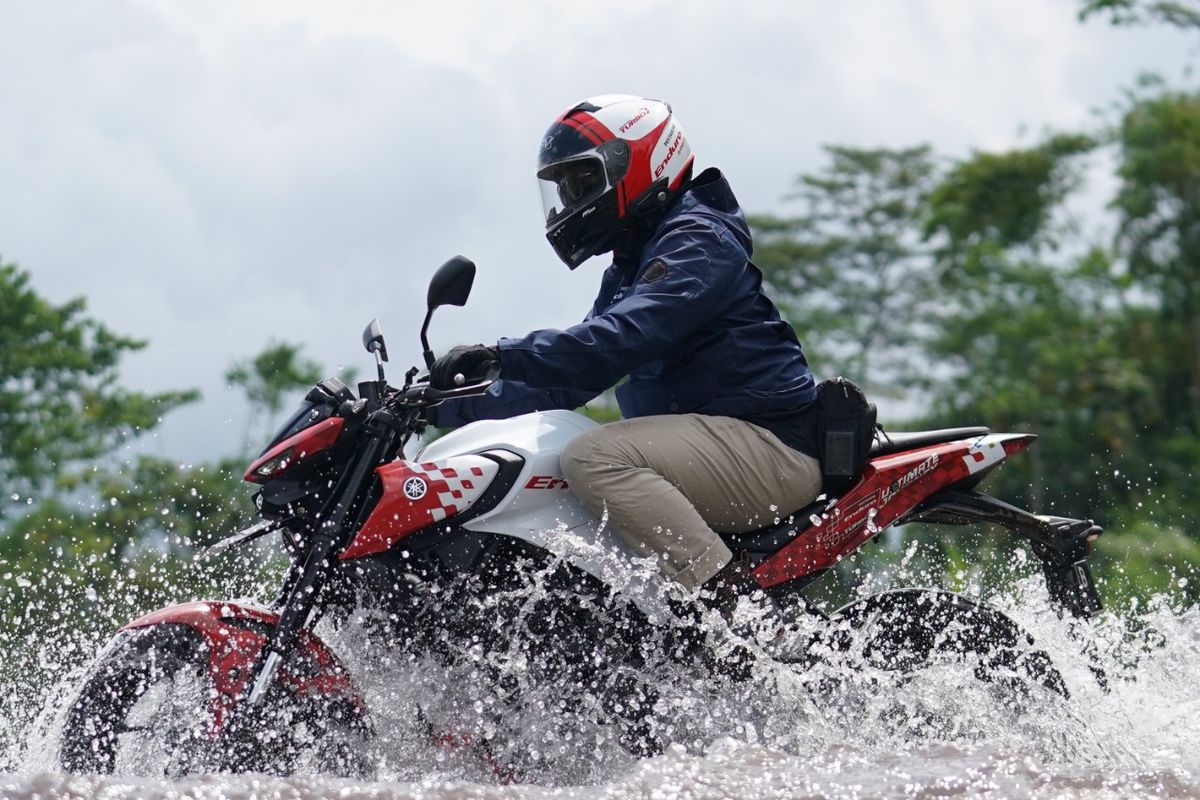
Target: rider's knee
x,y
576,457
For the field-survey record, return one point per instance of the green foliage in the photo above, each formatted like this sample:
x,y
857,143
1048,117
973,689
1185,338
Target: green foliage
x,y
603,409
1140,558
270,377
851,271
999,313
129,543
60,403
269,380
1159,208
1027,343
1185,14
1004,198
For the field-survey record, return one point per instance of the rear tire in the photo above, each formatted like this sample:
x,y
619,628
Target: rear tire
x,y
905,630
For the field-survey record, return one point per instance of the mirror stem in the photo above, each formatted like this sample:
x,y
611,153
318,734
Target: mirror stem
x,y
428,354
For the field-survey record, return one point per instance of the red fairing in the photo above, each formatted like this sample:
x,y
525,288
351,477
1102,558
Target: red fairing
x,y
307,443
418,495
234,648
891,486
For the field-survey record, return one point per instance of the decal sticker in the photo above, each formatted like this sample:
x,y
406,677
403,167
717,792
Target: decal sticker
x,y
546,482
987,450
924,468
655,271
671,145
631,119
832,539
415,488
642,112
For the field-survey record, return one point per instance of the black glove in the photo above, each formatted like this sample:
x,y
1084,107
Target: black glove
x,y
472,361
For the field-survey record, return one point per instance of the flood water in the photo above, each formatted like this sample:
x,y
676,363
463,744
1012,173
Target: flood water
x,y
859,734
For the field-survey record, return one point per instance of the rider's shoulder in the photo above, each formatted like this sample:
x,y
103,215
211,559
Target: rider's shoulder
x,y
706,215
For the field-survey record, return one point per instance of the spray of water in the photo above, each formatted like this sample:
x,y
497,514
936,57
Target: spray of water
x,y
476,712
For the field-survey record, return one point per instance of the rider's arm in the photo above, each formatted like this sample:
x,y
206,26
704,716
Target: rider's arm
x,y
654,317
502,400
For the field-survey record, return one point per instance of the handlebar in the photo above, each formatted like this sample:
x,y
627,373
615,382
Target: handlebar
x,y
422,394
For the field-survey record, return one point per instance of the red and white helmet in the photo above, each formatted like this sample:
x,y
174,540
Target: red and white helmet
x,y
605,165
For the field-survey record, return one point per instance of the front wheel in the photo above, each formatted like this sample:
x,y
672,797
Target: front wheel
x,y
149,708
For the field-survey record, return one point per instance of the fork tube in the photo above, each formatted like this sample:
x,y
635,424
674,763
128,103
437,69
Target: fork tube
x,y
328,538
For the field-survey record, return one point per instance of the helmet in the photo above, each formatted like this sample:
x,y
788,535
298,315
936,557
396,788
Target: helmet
x,y
605,166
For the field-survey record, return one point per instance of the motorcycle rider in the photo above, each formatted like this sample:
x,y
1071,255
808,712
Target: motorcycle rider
x,y
718,431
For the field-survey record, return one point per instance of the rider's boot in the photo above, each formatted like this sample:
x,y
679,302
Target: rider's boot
x,y
724,591
760,619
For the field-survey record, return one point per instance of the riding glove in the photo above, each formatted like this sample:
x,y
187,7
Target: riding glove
x,y
473,362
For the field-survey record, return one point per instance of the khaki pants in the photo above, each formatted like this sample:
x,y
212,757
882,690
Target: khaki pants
x,y
668,482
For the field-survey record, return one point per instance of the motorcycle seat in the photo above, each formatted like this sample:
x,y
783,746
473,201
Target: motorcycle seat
x,y
769,539
888,443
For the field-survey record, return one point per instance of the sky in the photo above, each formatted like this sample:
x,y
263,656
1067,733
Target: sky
x,y
213,176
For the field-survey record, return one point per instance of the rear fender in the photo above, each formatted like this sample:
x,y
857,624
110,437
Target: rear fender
x,y
235,635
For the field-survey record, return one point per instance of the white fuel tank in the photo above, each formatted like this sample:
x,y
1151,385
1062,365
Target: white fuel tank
x,y
541,509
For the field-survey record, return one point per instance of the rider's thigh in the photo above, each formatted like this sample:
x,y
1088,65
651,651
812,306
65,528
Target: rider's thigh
x,y
737,475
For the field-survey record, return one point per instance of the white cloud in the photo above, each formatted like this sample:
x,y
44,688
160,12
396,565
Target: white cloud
x,y
211,175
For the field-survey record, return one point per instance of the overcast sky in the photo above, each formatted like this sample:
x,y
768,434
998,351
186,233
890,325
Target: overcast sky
x,y
212,175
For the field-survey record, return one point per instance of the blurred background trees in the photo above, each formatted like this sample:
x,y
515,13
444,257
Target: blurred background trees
x,y
969,292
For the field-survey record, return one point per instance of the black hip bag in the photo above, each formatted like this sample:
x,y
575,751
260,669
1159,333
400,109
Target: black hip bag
x,y
845,431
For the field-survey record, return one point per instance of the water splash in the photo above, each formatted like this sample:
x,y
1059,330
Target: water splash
x,y
823,732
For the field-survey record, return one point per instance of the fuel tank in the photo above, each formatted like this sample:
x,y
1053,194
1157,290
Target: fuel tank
x,y
540,509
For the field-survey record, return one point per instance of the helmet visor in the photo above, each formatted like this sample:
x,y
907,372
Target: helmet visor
x,y
569,184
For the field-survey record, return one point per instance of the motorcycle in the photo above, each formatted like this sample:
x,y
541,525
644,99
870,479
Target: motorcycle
x,y
471,516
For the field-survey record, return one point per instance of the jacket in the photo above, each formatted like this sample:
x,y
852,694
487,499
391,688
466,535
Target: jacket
x,y
684,316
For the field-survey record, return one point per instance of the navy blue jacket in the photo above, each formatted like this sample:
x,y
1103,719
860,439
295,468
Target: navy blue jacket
x,y
685,318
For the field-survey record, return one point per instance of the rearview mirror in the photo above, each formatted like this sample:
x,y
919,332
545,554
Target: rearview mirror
x,y
451,284
373,340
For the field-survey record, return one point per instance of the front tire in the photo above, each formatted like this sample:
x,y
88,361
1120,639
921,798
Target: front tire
x,y
147,709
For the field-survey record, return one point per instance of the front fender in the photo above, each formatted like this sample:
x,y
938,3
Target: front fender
x,y
236,634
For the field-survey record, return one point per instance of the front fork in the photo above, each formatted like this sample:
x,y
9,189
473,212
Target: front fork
x,y
330,538
1062,544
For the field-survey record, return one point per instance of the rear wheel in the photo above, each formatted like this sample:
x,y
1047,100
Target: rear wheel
x,y
147,709
906,630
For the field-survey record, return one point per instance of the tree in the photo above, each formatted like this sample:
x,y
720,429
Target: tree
x,y
268,379
1159,235
1185,14
1003,200
851,271
59,399
1034,335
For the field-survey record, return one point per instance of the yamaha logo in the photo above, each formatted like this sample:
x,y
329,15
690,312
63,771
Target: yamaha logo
x,y
414,488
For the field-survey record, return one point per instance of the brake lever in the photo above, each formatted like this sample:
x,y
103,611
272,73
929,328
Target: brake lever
x,y
422,394
470,390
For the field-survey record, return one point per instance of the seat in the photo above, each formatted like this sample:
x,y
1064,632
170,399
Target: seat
x,y
772,537
888,443
769,539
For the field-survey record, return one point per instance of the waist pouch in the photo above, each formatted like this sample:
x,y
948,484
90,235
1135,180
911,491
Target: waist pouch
x,y
845,430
